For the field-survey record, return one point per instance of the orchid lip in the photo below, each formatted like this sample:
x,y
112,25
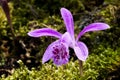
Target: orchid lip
x,y
60,54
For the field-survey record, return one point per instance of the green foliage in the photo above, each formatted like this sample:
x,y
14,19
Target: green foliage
x,y
97,67
3,21
34,14
2,16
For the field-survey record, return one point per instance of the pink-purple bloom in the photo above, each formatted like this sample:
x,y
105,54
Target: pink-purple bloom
x,y
58,51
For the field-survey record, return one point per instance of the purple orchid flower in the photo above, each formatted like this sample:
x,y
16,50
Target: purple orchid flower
x,y
58,51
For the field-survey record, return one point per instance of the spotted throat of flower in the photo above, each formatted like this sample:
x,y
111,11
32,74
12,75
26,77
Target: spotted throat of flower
x,y
60,54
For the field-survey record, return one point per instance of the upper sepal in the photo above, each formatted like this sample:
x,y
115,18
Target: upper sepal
x,y
68,20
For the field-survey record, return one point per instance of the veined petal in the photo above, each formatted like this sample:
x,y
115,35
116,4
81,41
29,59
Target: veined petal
x,y
68,20
84,49
48,53
93,27
81,51
44,32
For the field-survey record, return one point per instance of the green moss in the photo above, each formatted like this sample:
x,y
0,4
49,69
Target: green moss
x,y
29,15
96,67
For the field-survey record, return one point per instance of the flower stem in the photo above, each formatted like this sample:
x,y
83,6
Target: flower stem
x,y
81,67
6,10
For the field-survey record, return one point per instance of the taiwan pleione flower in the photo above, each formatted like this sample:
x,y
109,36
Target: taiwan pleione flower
x,y
58,51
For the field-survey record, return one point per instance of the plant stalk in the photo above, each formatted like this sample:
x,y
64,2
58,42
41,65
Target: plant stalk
x,y
81,67
6,9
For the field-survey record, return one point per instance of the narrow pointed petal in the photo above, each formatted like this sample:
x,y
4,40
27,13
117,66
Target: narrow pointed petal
x,y
68,20
44,32
48,53
93,27
81,51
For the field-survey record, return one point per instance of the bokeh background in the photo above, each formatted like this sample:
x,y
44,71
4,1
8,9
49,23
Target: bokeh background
x,y
20,55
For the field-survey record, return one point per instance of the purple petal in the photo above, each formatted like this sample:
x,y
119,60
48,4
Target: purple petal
x,y
48,53
93,27
68,20
81,51
44,32
66,38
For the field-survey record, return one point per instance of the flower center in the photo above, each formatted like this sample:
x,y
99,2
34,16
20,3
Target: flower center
x,y
60,54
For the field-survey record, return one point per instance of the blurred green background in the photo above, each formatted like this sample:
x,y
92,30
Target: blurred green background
x,y
21,60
